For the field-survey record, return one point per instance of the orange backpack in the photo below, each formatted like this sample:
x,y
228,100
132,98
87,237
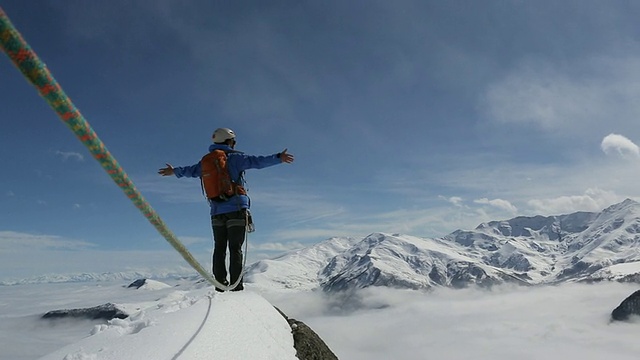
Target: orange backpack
x,y
216,181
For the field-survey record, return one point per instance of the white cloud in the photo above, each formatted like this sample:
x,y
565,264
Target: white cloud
x,y
498,203
592,200
70,155
278,246
602,179
620,144
455,200
470,323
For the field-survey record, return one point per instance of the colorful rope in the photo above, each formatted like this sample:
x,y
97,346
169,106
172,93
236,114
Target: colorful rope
x,y
26,60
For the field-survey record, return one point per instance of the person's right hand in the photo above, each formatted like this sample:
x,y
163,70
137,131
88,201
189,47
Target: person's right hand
x,y
166,171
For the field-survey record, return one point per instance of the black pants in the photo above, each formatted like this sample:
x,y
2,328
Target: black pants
x,y
228,230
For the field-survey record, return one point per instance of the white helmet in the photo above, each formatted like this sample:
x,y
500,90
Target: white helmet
x,y
223,134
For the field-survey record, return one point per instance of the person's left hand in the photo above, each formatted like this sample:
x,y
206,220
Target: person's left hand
x,y
286,157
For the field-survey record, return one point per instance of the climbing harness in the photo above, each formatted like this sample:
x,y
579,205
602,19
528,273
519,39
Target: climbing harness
x,y
36,72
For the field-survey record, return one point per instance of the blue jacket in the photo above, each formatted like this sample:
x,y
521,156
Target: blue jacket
x,y
237,163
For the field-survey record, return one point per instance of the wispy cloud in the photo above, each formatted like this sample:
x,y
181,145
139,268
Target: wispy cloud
x,y
435,221
278,246
535,95
620,145
189,240
298,204
511,188
592,94
592,200
17,241
66,155
498,203
455,200
171,189
318,232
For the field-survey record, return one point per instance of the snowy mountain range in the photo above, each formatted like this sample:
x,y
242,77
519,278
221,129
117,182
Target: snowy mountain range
x,y
582,246
578,247
184,272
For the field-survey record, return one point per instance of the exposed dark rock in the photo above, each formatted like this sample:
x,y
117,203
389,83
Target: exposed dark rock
x,y
629,306
137,284
308,345
579,267
107,311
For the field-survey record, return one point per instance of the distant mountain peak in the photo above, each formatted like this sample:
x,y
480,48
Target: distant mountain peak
x,y
627,204
580,246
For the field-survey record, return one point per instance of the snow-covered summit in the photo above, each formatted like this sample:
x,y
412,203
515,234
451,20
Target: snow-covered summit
x,y
524,250
298,269
186,320
200,324
404,261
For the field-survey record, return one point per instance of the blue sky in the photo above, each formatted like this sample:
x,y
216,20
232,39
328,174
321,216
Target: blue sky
x,y
416,117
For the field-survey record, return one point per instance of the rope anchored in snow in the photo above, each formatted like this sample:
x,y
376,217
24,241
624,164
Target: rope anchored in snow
x,y
36,72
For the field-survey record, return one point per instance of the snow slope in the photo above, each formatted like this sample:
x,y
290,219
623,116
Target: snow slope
x,y
194,324
298,269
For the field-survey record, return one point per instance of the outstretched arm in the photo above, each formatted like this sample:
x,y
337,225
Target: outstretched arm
x,y
181,171
239,162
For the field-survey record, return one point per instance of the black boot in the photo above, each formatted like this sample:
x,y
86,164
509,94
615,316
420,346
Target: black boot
x,y
225,283
238,287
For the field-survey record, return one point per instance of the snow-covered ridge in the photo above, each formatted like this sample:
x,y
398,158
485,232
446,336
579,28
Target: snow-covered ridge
x,y
525,250
188,324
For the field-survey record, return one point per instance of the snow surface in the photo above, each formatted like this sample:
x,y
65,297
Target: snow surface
x,y
570,321
179,324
